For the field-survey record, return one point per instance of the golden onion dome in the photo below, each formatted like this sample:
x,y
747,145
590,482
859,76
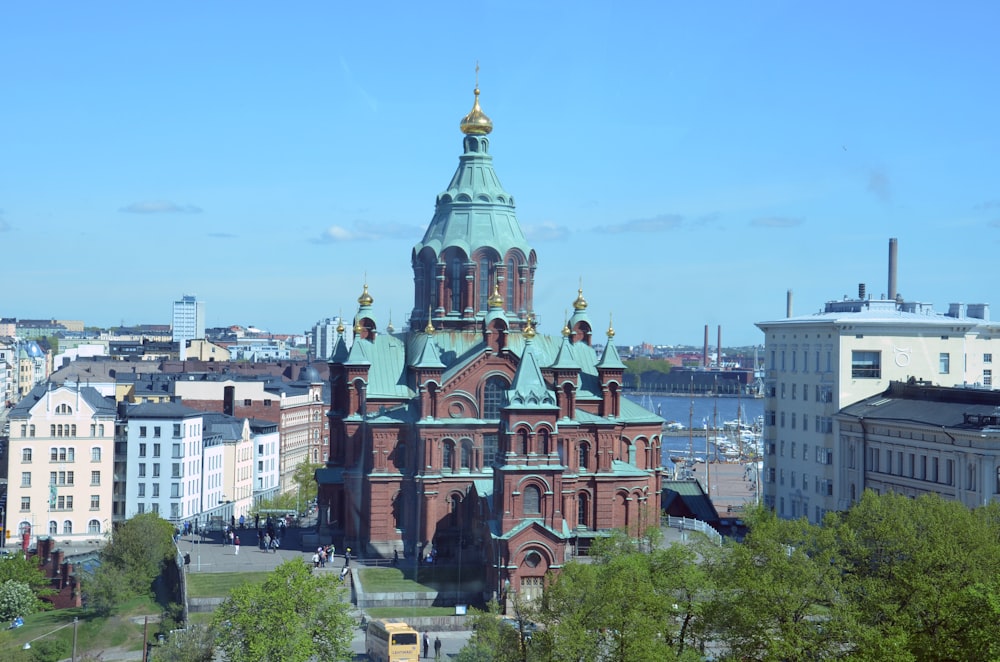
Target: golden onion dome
x,y
580,303
496,300
389,327
476,123
529,329
365,299
611,328
358,329
340,325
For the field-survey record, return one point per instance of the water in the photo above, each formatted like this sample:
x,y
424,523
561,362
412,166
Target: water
x,y
700,411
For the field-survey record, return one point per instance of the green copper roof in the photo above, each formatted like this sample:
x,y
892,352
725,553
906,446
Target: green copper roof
x,y
610,358
528,388
475,211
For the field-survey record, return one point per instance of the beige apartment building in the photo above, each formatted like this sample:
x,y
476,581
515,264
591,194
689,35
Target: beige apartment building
x,y
61,461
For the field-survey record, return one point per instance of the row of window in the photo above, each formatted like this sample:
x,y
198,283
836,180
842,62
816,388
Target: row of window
x,y
63,430
93,527
61,478
805,360
821,486
176,490
821,424
64,502
60,454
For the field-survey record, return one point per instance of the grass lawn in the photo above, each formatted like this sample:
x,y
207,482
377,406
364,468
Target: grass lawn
x,y
53,631
219,584
409,580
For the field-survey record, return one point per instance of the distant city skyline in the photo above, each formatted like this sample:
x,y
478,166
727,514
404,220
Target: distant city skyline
x,y
274,160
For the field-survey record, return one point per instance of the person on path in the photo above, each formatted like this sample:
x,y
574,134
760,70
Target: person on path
x,y
427,645
236,545
437,648
267,542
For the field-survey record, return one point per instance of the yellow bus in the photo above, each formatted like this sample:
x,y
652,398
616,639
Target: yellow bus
x,y
392,641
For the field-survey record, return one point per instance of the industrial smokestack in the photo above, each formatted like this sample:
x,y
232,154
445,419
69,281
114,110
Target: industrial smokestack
x,y
893,258
788,304
718,358
704,351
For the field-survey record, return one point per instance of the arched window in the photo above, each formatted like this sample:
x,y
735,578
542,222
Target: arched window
x,y
26,455
523,435
543,441
581,510
447,453
455,278
53,527
93,526
493,392
484,282
511,279
466,454
532,500
95,454
584,451
455,501
67,527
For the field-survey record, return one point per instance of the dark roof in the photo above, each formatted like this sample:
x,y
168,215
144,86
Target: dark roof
x,y
161,410
948,407
686,498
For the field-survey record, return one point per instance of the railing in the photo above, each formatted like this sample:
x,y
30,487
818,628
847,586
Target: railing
x,y
687,524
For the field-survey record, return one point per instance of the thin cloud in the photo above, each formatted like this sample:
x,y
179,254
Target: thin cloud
x,y
879,185
708,219
776,222
361,231
159,207
547,231
661,223
986,206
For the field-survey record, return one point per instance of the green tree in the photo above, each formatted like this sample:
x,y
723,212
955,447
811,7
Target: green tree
x,y
305,478
195,644
21,570
139,547
16,599
492,640
923,576
105,589
293,616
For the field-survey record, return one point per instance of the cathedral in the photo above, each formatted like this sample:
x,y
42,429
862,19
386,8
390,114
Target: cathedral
x,y
468,437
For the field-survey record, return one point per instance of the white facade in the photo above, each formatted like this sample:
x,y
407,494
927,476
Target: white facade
x,y
61,464
818,364
163,471
324,336
188,319
266,443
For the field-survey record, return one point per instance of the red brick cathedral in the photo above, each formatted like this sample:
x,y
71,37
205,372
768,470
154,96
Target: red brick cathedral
x,y
469,436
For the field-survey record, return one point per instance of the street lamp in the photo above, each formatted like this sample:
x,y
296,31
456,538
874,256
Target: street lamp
x,y
27,644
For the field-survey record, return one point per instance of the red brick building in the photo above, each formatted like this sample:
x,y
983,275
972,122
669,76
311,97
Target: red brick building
x,y
470,435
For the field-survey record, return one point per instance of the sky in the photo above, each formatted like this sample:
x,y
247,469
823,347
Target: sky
x,y
687,163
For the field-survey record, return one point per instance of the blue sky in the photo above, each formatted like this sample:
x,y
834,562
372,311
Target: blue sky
x,y
269,157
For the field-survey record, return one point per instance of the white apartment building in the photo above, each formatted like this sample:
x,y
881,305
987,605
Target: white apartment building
x,y
233,449
61,463
818,364
163,452
266,442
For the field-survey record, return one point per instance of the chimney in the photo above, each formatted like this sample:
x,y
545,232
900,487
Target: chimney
x,y
704,351
788,304
893,257
718,359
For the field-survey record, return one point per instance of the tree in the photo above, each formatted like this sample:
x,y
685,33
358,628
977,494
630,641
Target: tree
x,y
195,644
293,616
20,569
492,640
16,599
305,478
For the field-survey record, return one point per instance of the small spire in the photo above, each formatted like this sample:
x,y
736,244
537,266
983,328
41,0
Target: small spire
x,y
476,123
611,328
358,329
429,329
340,324
566,330
389,328
496,300
365,299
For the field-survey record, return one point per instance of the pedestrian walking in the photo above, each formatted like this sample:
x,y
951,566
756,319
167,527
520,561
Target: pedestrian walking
x,y
437,648
427,645
236,545
267,542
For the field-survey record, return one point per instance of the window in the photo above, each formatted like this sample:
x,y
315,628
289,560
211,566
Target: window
x,y
175,470
142,490
987,378
156,431
95,502
466,454
493,393
53,454
156,470
988,358
944,363
156,490
156,450
67,527
142,430
25,503
175,490
446,456
142,469
866,365
581,510
532,500
177,430
142,450
93,527
25,479
247,402
95,477
489,449
267,402
32,431
26,456
176,451
582,455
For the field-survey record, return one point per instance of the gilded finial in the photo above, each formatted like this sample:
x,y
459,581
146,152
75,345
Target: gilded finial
x,y
340,323
429,329
476,123
365,299
358,329
566,331
611,328
580,303
529,329
388,327
496,300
